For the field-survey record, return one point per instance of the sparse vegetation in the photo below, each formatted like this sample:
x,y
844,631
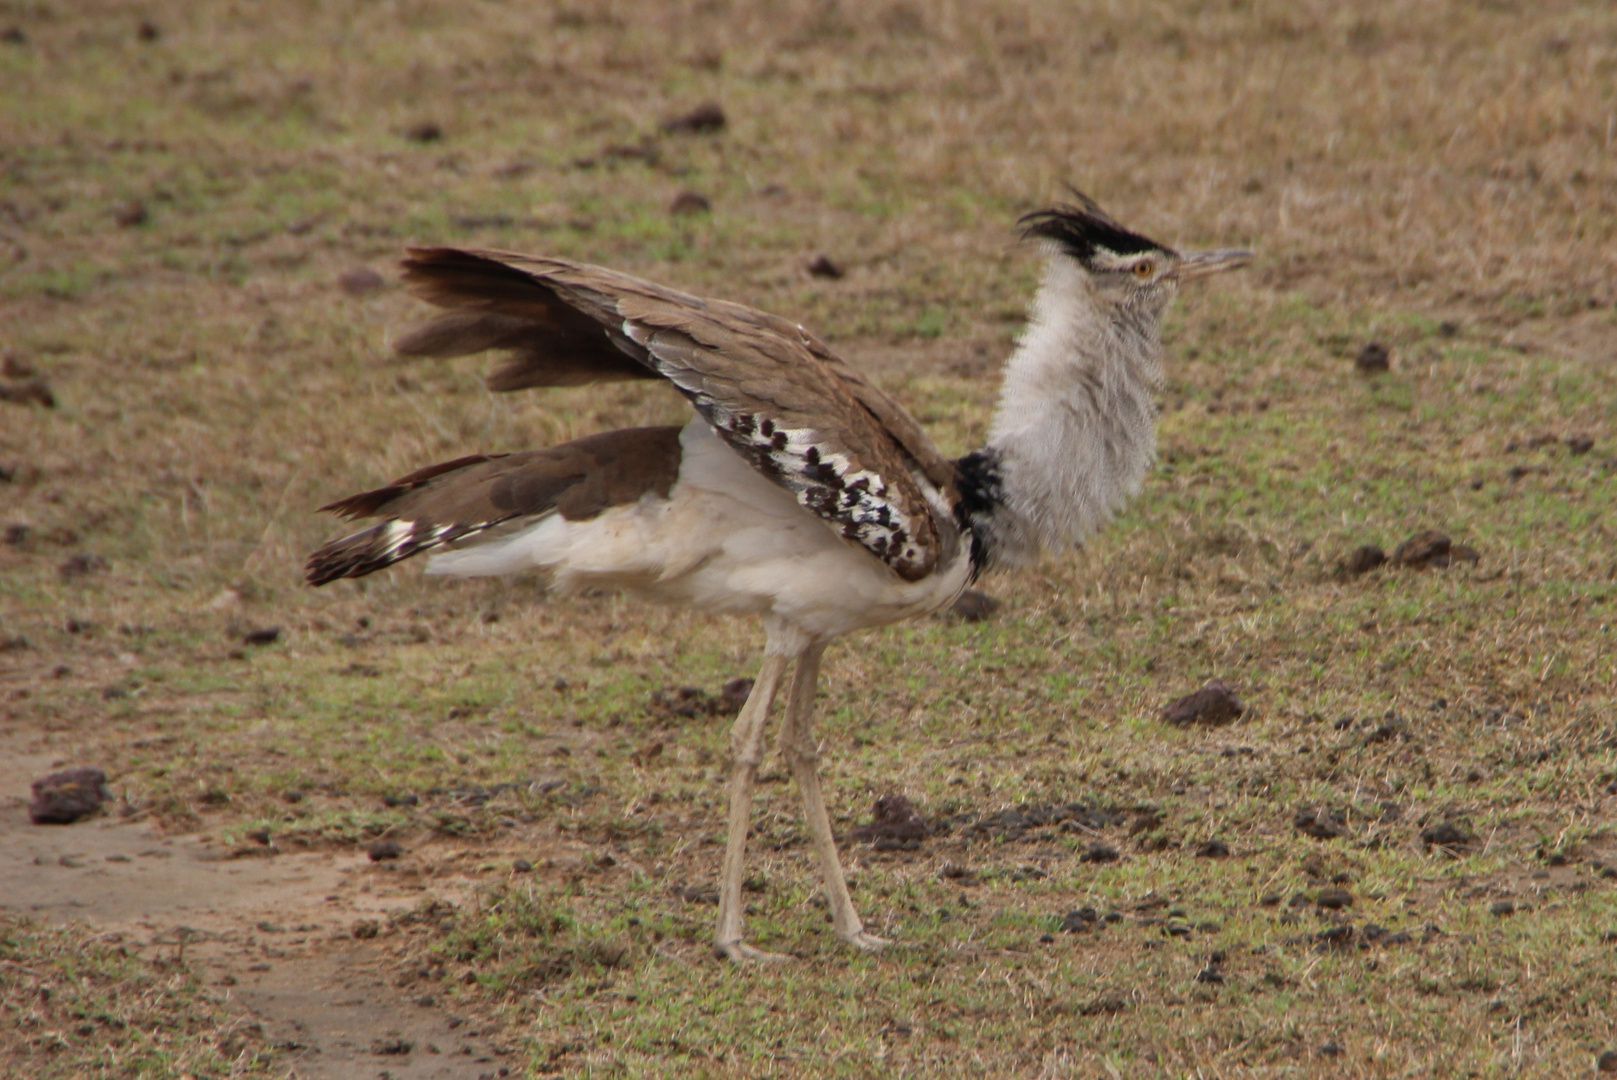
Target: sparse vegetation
x,y
74,1004
1436,178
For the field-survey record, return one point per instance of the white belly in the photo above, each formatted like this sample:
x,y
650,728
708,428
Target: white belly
x,y
726,539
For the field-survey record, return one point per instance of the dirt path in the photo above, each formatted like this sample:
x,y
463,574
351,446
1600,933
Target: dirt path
x,y
272,933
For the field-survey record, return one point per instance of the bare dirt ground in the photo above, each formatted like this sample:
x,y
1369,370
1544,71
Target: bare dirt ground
x,y
273,932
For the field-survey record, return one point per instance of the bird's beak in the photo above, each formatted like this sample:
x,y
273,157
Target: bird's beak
x,y
1201,263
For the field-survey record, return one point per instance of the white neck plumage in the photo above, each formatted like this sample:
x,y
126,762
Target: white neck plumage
x,y
1074,432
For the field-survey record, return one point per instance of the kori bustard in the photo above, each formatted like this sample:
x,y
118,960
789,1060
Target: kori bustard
x,y
799,492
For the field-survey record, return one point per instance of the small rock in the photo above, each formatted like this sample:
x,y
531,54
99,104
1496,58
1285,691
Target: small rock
x,y
693,701
1214,705
705,118
1330,1050
77,566
1321,822
392,1046
646,152
1210,974
131,213
1146,820
265,635
360,281
893,818
67,796
1502,907
974,605
35,391
424,132
695,894
1098,852
1393,727
1269,900
1447,834
384,850
522,866
821,266
147,31
1448,328
1607,1062
1430,548
687,203
1335,937
1105,1006
1579,444
1080,921
1334,899
733,695
1373,359
1363,559
1213,849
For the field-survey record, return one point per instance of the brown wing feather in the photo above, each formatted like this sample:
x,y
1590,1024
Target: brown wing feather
x,y
458,499
495,306
777,394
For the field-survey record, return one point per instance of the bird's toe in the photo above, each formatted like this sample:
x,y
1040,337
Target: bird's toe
x,y
866,942
740,952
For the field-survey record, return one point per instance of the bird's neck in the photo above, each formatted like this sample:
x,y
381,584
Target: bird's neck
x,y
1074,432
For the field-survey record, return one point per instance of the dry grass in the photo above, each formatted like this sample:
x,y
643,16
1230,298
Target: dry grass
x,y
74,1004
1397,165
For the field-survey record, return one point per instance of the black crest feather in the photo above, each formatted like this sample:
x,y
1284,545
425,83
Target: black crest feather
x,y
1081,227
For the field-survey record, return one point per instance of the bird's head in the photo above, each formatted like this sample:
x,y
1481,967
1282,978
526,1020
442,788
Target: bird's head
x,y
1126,271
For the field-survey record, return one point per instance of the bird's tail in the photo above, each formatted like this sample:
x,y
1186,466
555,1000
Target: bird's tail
x,y
379,547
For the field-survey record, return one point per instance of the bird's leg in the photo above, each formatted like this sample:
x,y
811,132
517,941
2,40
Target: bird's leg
x,y
746,750
802,754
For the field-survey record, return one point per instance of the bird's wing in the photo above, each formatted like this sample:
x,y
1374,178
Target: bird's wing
x,y
775,393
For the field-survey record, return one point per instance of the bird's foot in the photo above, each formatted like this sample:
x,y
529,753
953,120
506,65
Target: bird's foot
x,y
865,942
740,952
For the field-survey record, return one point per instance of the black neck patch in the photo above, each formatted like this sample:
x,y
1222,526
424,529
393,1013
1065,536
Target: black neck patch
x,y
982,491
1082,228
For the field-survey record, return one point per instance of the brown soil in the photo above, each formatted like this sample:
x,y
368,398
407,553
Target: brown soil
x,y
273,933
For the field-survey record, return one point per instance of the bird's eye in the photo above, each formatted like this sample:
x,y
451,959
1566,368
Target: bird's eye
x,y
1144,269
